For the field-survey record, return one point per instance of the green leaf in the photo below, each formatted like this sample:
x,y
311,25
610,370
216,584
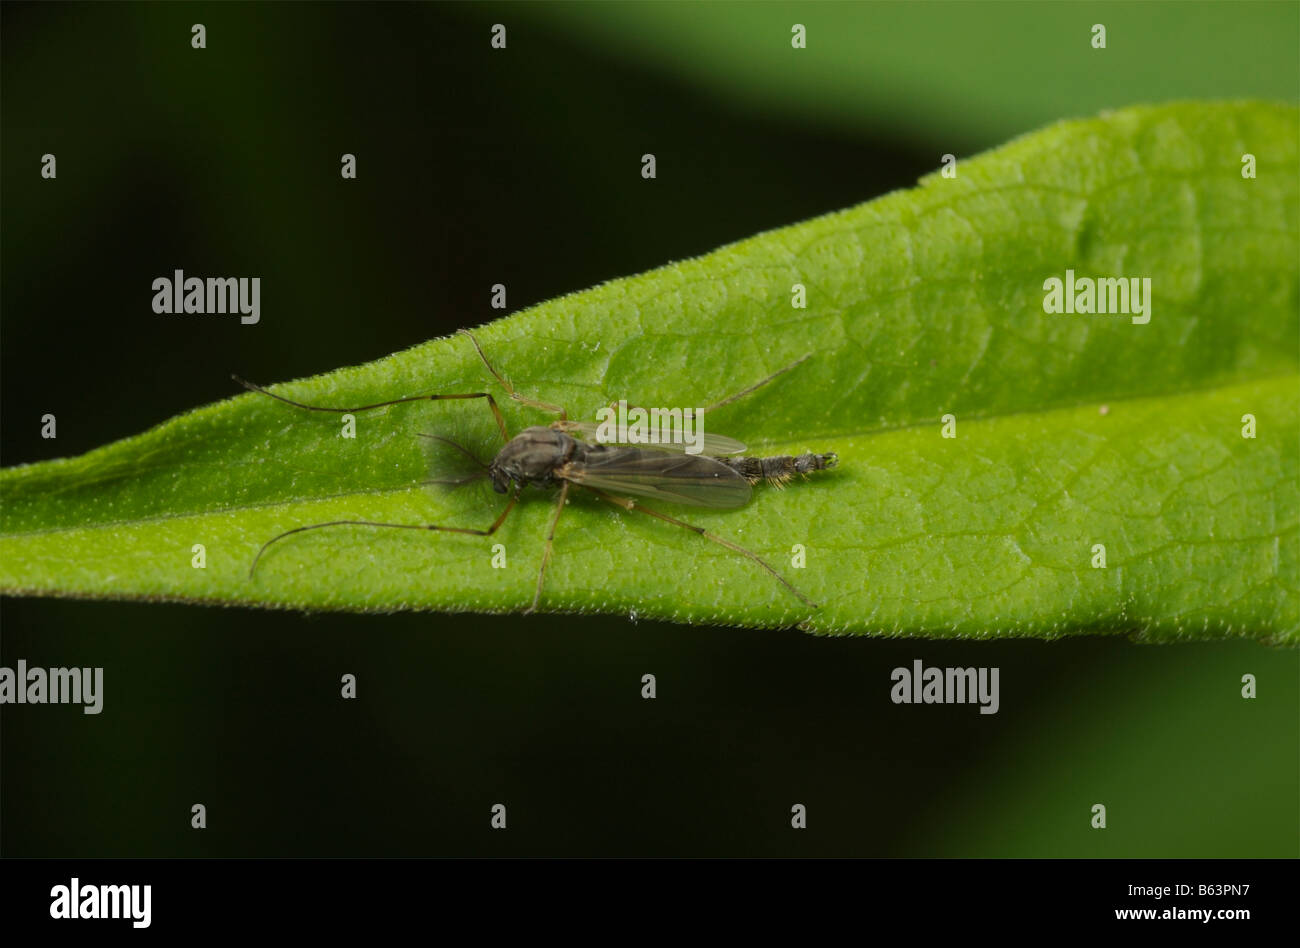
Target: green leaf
x,y
1071,430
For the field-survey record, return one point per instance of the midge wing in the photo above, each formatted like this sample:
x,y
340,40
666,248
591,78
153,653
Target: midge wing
x,y
718,445
692,479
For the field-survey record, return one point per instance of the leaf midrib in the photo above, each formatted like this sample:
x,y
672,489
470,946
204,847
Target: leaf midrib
x,y
769,447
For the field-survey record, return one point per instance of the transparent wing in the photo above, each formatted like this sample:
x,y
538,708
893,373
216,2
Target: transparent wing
x,y
717,445
692,479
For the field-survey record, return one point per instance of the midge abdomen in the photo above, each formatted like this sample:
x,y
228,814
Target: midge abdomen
x,y
779,469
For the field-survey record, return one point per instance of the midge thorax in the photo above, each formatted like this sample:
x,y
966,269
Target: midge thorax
x,y
546,455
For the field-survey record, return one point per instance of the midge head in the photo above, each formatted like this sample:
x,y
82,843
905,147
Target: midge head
x,y
530,457
547,455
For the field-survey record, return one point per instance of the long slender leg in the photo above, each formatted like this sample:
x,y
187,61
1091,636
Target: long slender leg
x,y
496,412
546,554
741,394
396,526
757,385
628,504
510,389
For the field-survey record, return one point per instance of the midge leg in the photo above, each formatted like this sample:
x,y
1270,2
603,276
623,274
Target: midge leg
x,y
496,412
757,385
629,504
395,526
741,394
546,554
510,389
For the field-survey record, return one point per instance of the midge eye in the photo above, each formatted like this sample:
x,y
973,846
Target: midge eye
x,y
663,454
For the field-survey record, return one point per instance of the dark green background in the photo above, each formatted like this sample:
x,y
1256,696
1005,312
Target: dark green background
x,y
522,167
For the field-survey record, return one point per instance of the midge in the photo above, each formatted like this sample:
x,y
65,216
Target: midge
x,y
545,455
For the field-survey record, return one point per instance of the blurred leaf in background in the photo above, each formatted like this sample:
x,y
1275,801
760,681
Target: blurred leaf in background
x,y
956,75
